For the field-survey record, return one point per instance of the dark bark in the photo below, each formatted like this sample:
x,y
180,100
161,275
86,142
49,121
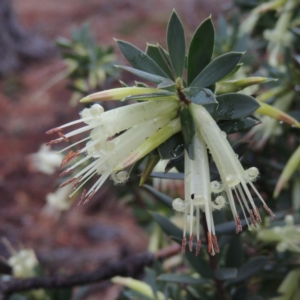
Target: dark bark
x,y
131,266
18,47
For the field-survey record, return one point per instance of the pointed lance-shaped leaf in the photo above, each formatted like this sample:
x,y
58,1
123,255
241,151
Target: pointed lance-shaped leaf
x,y
201,49
217,69
152,161
232,106
140,60
154,52
148,76
163,198
176,44
188,129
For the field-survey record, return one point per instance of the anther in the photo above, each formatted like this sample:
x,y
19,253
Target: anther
x,y
68,182
89,197
238,223
267,208
257,215
252,218
63,136
69,156
77,183
183,244
191,243
215,243
54,130
68,171
82,198
209,243
198,247
54,141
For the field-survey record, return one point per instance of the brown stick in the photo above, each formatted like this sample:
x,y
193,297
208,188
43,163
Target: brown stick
x,y
130,266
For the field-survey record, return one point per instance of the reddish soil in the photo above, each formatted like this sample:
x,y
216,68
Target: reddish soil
x,y
81,238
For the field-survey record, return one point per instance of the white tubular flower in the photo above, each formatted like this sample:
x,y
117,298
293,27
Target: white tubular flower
x,y
45,160
58,201
198,196
234,177
108,144
23,263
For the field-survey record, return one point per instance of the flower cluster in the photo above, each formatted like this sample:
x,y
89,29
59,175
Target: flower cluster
x,y
198,188
117,138
122,136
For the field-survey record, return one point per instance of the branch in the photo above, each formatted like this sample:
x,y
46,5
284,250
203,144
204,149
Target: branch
x,y
129,267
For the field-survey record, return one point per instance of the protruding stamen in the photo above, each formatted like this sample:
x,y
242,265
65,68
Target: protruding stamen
x,y
183,244
68,182
63,136
77,183
69,157
83,196
191,243
257,215
68,171
252,218
209,243
53,130
89,197
215,243
238,223
54,141
198,247
267,208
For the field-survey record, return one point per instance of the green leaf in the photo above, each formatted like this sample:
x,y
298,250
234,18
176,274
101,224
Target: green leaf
x,y
166,57
163,198
232,106
236,68
200,95
250,268
201,49
154,52
179,278
152,161
172,147
168,227
239,125
140,60
173,162
176,44
150,278
159,95
217,69
235,253
226,273
188,129
148,76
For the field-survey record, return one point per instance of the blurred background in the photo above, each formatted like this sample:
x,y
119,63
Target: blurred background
x,y
34,97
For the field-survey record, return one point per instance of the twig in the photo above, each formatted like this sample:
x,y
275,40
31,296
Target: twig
x,y
130,266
